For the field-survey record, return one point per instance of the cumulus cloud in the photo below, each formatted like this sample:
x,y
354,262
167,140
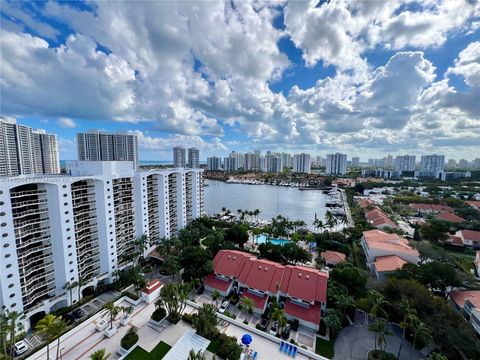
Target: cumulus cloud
x,y
196,69
67,123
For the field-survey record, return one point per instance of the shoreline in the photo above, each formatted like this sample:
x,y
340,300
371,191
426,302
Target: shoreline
x,y
301,187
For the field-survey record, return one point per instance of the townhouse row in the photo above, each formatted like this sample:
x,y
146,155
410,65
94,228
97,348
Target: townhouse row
x,y
300,291
83,225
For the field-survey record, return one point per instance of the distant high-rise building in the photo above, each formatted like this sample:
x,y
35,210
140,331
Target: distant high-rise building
x,y
388,161
95,145
301,163
405,163
463,164
239,160
476,163
46,152
258,152
287,160
230,164
273,163
355,161
24,150
214,163
431,165
451,164
193,158
336,164
179,157
251,162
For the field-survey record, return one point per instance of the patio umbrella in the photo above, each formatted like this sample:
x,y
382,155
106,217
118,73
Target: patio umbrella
x,y
246,339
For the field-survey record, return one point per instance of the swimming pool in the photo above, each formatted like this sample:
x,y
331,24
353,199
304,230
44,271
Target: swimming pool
x,y
262,239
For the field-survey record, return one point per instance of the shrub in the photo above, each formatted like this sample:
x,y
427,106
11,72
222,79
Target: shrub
x,y
159,314
173,319
230,315
295,325
234,299
130,295
130,339
245,322
229,348
187,318
293,342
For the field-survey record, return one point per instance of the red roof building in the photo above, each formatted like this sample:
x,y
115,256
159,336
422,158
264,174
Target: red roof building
x,y
298,286
429,208
474,204
332,258
468,238
450,217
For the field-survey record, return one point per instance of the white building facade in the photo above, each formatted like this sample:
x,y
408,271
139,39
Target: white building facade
x,y
302,163
431,165
214,163
179,159
193,158
59,229
405,163
336,164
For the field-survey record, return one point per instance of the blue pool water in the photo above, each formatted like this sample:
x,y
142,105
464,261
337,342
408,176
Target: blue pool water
x,y
261,239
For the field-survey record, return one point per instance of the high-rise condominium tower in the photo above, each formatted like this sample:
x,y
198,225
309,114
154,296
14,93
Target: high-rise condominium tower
x,y
432,165
405,163
179,157
336,164
193,158
59,229
95,145
355,161
214,163
24,150
301,163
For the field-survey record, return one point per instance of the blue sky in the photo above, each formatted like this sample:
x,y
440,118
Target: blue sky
x,y
367,78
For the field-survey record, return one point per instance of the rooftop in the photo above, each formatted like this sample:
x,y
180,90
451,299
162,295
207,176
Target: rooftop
x,y
217,283
470,235
333,257
311,313
388,263
459,297
450,217
378,239
258,301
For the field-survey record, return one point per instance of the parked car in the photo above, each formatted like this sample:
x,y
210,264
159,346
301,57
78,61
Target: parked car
x,y
20,347
264,324
78,313
286,331
224,306
274,328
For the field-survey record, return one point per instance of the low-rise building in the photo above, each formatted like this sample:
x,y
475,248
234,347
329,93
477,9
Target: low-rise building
x,y
386,252
476,262
333,258
469,238
474,204
431,208
445,216
467,302
300,291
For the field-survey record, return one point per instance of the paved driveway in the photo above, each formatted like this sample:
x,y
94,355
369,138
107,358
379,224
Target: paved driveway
x,y
354,342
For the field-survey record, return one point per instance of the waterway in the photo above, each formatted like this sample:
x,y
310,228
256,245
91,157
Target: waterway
x,y
271,200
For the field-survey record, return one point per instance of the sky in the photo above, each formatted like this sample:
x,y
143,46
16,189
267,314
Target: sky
x,y
367,78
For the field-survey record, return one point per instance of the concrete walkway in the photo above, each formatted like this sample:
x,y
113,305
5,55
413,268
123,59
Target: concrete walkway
x,y
354,342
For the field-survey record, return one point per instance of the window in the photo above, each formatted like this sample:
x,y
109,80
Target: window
x,y
10,286
65,204
65,195
13,305
67,221
9,276
6,245
2,214
12,295
70,262
64,186
66,212
71,270
7,256
8,266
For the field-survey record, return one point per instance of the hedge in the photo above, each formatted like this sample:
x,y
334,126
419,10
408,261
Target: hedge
x,y
130,339
158,314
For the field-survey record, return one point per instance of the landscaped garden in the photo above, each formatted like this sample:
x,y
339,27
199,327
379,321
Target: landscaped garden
x,y
324,348
157,353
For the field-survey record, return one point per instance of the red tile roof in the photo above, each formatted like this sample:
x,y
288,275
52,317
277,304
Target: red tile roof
x,y
152,286
230,262
217,283
431,207
333,257
311,313
297,281
305,283
471,235
262,275
377,218
455,240
258,301
459,297
378,239
474,204
450,217
388,263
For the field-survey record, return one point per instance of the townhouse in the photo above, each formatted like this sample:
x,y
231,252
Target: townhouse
x,y
386,252
467,302
300,291
62,228
468,238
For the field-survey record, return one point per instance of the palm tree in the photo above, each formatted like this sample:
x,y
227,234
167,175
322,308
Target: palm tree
x,y
205,321
420,329
409,314
81,281
330,220
100,355
279,315
334,320
46,326
196,356
256,212
215,296
380,327
378,302
247,305
12,326
69,286
56,332
127,310
317,224
113,310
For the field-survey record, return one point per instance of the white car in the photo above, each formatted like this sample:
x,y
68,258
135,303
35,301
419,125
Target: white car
x,y
274,328
224,306
20,347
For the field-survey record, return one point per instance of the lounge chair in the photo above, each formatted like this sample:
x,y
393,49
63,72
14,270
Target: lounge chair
x,y
287,347
294,352
290,349
254,355
282,344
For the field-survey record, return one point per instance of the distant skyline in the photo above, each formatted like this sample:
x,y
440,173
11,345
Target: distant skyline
x,y
363,78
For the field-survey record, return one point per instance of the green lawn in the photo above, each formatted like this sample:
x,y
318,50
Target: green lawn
x,y
324,348
214,346
157,353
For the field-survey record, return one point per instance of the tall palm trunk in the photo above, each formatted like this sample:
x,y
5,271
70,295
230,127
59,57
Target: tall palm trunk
x,y
58,347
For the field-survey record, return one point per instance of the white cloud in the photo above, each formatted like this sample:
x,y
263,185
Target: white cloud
x,y
67,123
